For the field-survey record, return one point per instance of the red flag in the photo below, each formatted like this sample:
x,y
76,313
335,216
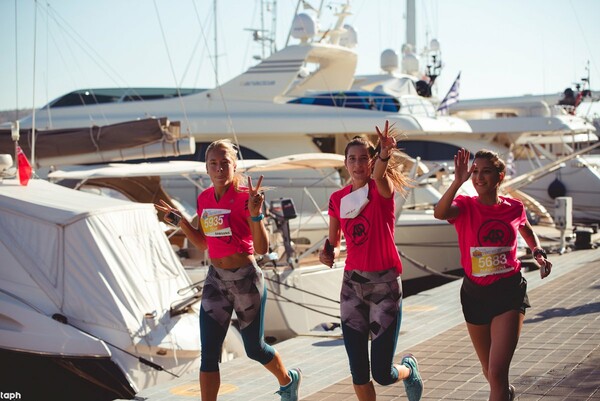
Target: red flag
x,y
23,166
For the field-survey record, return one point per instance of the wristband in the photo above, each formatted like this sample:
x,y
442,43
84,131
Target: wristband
x,y
257,218
539,252
386,159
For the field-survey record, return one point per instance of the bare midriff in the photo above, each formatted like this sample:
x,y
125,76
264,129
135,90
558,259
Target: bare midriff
x,y
232,261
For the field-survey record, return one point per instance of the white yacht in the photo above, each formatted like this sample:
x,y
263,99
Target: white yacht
x,y
92,296
295,101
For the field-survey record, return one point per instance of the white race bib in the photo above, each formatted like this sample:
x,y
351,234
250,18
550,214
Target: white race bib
x,y
215,222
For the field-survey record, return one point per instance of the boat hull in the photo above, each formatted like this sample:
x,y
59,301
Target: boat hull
x,y
37,376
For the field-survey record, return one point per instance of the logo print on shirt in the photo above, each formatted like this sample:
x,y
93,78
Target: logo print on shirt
x,y
495,233
358,229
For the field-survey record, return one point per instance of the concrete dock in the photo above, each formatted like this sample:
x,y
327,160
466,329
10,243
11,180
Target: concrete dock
x,y
558,356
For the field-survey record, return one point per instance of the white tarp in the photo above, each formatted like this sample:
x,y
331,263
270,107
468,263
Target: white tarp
x,y
100,261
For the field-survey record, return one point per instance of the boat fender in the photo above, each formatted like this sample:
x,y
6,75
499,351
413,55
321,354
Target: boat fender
x,y
556,189
60,318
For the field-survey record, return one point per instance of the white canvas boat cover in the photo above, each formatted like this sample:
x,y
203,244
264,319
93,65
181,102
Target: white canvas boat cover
x,y
99,261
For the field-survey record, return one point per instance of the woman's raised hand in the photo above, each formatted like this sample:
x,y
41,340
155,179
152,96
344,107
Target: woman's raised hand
x,y
255,197
386,141
462,172
170,213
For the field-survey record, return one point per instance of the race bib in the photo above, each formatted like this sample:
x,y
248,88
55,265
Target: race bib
x,y
488,260
215,222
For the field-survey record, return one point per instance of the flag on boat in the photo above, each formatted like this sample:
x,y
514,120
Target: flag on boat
x,y
451,96
23,166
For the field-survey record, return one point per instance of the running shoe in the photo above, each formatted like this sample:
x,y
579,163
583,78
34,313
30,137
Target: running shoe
x,y
290,392
413,383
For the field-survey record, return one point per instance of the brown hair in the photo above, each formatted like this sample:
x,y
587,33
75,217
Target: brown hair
x,y
493,157
394,166
231,151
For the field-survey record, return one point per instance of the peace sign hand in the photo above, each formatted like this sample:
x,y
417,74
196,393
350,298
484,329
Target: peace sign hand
x,y
172,215
256,198
386,141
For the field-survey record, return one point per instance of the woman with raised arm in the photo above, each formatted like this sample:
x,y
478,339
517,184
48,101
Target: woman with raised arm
x,y
494,293
231,228
371,296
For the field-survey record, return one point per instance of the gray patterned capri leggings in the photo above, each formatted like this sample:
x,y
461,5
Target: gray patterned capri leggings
x,y
371,306
225,290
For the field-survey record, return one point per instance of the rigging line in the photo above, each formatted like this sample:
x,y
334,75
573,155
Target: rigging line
x,y
590,53
189,64
218,88
426,268
35,8
303,306
85,47
16,63
301,290
66,31
181,102
58,317
63,319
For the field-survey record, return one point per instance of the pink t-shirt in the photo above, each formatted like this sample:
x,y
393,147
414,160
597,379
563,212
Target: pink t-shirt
x,y
487,237
225,222
370,235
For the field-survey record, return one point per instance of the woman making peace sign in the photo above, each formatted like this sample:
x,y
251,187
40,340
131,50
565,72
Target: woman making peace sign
x,y
371,298
231,228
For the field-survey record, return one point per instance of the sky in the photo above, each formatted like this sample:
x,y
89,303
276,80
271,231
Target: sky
x,y
502,47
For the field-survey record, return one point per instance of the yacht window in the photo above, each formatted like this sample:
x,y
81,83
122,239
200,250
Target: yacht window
x,y
428,150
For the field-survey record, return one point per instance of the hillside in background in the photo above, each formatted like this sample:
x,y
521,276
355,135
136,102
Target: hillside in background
x,y
11,115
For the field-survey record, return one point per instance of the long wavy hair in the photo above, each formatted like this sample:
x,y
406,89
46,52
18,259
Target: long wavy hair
x,y
394,168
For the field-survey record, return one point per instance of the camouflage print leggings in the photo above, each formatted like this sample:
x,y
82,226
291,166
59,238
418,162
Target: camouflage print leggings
x,y
224,291
371,306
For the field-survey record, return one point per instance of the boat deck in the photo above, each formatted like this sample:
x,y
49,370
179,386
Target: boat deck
x,y
558,356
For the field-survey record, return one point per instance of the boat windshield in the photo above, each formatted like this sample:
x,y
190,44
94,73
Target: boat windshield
x,y
415,105
352,99
118,95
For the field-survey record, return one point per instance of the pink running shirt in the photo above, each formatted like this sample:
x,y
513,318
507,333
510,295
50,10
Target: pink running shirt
x,y
225,222
487,237
370,235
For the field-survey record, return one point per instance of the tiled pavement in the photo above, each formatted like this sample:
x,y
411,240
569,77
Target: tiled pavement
x,y
558,357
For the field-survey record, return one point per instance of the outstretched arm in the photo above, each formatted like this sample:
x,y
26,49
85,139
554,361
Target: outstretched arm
x,y
533,243
257,228
444,209
386,144
195,235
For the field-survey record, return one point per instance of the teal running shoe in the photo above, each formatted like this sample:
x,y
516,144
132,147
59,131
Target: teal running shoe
x,y
291,391
413,383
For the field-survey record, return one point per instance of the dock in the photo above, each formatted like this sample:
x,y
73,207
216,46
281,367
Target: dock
x,y
558,356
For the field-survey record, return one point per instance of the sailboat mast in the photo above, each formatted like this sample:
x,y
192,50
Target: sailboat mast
x,y
411,29
216,45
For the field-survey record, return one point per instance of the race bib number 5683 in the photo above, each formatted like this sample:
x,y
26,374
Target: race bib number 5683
x,y
489,260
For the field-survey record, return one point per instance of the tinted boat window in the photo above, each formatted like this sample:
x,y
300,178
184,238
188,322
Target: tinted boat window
x,y
428,150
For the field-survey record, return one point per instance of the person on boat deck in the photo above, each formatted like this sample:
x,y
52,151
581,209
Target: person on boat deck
x,y
231,228
494,293
371,296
